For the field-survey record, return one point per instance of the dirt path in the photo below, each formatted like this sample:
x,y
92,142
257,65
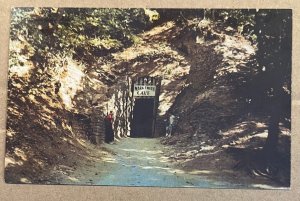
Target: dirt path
x,y
138,162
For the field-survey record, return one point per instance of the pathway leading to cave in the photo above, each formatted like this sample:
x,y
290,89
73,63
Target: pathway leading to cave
x,y
140,162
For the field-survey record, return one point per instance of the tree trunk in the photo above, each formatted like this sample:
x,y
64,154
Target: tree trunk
x,y
270,147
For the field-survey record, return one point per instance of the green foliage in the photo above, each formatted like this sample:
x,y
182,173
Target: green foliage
x,y
44,40
135,39
152,14
75,31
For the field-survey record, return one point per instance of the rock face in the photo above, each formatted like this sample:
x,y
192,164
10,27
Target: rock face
x,y
44,126
122,103
210,101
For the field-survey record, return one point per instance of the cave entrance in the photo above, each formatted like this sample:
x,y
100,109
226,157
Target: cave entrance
x,y
145,94
143,117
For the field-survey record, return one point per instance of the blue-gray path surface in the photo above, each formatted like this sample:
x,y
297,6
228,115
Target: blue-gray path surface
x,y
140,162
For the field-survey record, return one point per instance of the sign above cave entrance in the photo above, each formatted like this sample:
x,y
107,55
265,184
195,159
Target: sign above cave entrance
x,y
145,87
144,90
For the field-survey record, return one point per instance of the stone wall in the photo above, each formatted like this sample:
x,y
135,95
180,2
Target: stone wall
x,y
121,103
97,126
81,125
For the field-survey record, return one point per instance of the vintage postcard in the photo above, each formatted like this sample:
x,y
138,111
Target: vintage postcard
x,y
197,98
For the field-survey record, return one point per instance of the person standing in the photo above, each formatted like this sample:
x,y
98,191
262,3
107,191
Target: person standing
x,y
109,132
171,125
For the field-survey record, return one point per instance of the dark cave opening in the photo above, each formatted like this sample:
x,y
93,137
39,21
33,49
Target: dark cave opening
x,y
143,118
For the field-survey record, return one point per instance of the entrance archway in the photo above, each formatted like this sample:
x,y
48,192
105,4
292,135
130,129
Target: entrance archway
x,y
145,99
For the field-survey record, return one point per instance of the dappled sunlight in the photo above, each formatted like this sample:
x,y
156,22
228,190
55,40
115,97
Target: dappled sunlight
x,y
47,118
73,179
66,126
25,180
46,109
164,159
20,153
82,142
261,125
109,160
23,66
168,96
158,30
203,96
21,71
71,81
208,153
39,162
237,129
10,133
15,111
48,101
261,135
285,132
133,52
241,142
33,99
164,32
143,151
235,51
242,127
163,170
164,105
243,133
265,186
200,172
207,148
171,87
12,161
158,168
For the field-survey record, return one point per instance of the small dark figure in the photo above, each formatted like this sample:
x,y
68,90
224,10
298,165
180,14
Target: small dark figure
x,y
109,133
57,86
